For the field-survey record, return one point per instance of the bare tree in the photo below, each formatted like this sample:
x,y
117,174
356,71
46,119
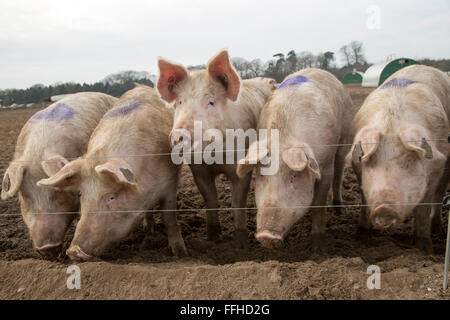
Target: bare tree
x,y
357,52
305,59
346,54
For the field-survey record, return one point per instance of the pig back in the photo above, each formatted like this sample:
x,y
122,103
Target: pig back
x,y
63,127
139,122
433,79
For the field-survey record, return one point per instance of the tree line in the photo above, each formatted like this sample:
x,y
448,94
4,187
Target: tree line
x,y
115,84
351,56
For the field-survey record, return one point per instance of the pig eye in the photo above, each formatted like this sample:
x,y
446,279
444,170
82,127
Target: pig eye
x,y
211,102
292,177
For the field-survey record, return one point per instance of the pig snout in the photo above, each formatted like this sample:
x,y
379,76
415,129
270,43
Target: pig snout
x,y
50,250
269,239
77,254
176,136
384,216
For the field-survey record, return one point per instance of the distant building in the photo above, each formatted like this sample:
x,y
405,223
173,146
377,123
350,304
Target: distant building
x,y
376,74
354,77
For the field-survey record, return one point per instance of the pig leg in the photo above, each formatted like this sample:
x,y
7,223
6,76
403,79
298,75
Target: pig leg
x,y
422,228
339,163
176,242
148,224
207,187
436,217
364,222
319,217
239,200
364,225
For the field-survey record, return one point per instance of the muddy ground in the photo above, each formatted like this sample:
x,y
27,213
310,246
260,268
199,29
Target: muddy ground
x,y
142,267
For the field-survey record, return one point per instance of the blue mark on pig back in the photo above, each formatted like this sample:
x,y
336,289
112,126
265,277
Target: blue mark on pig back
x,y
397,82
124,109
57,112
296,80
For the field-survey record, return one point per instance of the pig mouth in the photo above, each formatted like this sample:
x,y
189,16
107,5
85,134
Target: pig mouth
x,y
384,217
269,239
76,253
50,250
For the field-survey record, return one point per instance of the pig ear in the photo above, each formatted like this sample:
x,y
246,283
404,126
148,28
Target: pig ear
x,y
256,152
68,178
12,180
119,170
366,143
272,83
170,75
220,69
53,164
414,139
301,157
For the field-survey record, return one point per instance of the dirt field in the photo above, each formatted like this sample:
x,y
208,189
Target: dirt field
x,y
141,267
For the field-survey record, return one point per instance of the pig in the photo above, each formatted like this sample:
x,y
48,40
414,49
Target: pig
x,y
400,153
311,111
125,172
218,99
48,140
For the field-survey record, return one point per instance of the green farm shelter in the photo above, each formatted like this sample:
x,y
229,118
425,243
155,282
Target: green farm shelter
x,y
376,74
353,77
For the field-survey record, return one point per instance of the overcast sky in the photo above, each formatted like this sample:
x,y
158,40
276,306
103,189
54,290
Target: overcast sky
x,y
48,41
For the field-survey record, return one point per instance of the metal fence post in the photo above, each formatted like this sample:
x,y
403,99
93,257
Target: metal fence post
x,y
446,206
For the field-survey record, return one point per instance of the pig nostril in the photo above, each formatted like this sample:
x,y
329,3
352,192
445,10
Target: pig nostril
x,y
75,253
384,217
174,140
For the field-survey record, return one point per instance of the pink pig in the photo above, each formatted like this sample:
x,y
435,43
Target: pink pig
x,y
218,99
125,171
398,152
312,111
47,142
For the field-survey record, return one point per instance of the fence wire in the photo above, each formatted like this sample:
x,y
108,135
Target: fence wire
x,y
223,209
219,151
226,208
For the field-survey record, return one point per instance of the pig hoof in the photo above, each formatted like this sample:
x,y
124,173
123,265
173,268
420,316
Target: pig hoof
x,y
148,225
241,238
179,249
437,228
338,209
425,245
319,243
213,232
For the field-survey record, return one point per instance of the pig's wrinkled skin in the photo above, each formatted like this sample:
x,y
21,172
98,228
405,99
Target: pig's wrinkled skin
x,y
126,170
312,118
393,164
55,135
219,99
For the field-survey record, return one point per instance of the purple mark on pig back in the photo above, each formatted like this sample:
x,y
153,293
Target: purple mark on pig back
x,y
124,109
397,82
293,81
57,112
